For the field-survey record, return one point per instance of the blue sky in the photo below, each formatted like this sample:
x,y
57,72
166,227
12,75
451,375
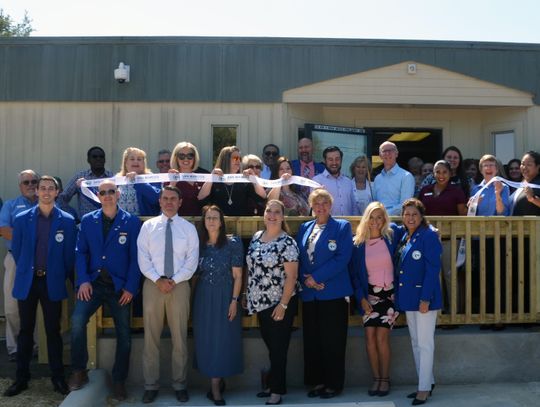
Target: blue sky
x,y
471,20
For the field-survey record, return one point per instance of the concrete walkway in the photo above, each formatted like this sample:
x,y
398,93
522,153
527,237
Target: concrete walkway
x,y
474,395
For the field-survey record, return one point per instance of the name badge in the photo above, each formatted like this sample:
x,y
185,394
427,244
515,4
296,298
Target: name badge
x,y
332,245
416,255
59,237
428,194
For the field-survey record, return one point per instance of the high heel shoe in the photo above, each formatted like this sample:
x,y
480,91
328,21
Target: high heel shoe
x,y
217,402
374,390
275,403
382,393
413,394
417,401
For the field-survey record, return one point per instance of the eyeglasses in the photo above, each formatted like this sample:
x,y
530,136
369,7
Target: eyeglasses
x,y
271,153
29,181
388,151
104,192
188,156
236,158
163,161
254,167
97,156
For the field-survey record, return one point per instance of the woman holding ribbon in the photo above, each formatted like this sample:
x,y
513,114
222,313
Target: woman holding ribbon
x,y
140,199
325,247
184,160
272,260
231,197
294,202
490,198
418,264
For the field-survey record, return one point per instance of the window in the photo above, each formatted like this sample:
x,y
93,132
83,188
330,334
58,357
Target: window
x,y
504,145
222,136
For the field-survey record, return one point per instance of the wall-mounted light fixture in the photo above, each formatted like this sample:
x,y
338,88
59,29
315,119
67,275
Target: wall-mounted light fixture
x,y
121,74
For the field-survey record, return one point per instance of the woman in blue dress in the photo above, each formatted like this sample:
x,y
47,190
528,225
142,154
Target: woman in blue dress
x,y
217,324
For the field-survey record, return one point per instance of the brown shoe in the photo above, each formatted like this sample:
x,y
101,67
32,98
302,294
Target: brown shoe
x,y
77,379
119,391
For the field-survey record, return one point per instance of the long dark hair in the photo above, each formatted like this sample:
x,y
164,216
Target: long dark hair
x,y
275,172
203,233
460,171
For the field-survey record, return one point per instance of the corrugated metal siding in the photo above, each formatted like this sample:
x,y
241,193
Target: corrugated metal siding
x,y
194,69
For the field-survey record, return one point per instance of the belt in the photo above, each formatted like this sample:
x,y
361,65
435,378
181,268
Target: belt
x,y
40,272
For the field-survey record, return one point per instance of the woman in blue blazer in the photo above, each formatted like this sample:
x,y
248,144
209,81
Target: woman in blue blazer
x,y
418,264
325,249
372,274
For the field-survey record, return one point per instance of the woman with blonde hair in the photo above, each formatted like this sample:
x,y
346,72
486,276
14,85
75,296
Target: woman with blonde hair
x,y
232,198
361,181
372,274
185,159
139,199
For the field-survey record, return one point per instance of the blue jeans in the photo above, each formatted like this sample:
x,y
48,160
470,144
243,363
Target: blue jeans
x,y
102,294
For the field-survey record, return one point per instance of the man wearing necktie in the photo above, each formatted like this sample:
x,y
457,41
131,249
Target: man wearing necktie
x,y
168,257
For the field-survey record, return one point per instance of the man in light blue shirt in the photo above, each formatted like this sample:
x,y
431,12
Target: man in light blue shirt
x,y
28,180
339,185
393,185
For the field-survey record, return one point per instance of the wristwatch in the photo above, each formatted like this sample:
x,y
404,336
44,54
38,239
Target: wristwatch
x,y
285,306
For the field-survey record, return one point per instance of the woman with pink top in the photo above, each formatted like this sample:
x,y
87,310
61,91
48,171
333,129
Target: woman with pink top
x,y
372,275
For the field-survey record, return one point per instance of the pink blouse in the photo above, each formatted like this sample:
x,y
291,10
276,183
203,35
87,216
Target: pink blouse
x,y
379,263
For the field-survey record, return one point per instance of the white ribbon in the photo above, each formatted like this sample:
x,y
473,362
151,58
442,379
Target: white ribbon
x,y
192,177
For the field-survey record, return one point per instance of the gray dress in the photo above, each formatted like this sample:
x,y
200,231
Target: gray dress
x,y
218,341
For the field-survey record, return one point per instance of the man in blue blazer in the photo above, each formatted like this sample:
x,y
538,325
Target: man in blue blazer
x,y
43,247
107,272
305,166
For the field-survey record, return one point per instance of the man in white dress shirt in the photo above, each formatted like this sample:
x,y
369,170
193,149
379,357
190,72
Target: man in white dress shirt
x,y
168,256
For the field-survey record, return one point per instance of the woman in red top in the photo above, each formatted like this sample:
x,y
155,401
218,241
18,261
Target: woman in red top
x,y
444,199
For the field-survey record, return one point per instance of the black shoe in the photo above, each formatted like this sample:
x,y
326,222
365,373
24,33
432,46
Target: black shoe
x,y
382,393
182,396
60,386
413,395
217,402
12,357
316,392
329,394
374,390
263,394
269,403
16,388
417,402
149,396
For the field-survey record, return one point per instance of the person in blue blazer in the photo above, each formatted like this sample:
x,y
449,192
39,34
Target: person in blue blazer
x,y
372,274
325,246
418,264
107,273
43,248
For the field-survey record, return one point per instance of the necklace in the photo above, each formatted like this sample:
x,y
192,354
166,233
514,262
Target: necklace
x,y
229,193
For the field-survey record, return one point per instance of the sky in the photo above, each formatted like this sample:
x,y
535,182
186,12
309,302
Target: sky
x,y
461,20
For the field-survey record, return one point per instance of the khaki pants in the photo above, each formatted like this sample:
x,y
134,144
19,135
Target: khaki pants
x,y
174,305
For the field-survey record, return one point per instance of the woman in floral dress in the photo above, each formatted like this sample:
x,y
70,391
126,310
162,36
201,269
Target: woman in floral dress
x,y
372,275
272,260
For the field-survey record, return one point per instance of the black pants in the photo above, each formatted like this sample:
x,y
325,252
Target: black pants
x,y
325,340
277,335
52,311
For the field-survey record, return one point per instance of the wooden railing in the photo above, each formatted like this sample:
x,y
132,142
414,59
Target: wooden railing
x,y
510,242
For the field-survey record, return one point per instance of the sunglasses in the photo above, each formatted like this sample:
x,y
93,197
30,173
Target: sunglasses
x,y
104,192
29,181
188,156
236,158
162,161
97,156
271,153
254,167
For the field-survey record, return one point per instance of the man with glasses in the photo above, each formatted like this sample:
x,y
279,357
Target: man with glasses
x,y
43,248
96,158
163,162
269,157
28,180
393,185
107,273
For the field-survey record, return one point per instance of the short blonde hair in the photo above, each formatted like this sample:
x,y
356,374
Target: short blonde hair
x,y
127,152
318,194
362,231
176,150
251,157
